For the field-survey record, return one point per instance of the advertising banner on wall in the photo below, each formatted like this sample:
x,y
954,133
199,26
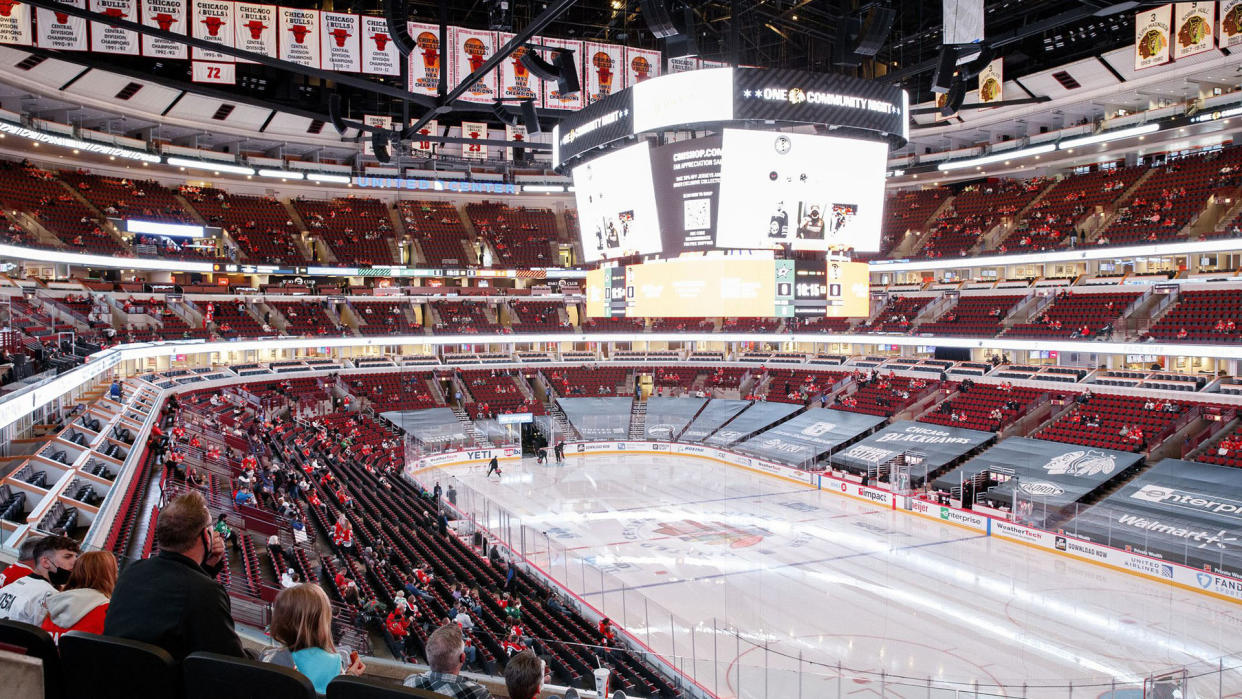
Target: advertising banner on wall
x,y
106,39
992,82
59,31
379,53
476,130
605,70
516,82
212,21
470,49
340,42
938,445
1194,25
298,38
553,98
427,59
1151,36
256,29
1230,23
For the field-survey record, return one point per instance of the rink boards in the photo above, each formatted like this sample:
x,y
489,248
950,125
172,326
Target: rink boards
x,y
1200,581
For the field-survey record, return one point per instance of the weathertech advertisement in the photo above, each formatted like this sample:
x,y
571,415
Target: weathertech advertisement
x,y
616,204
471,48
59,31
807,192
1195,26
1151,36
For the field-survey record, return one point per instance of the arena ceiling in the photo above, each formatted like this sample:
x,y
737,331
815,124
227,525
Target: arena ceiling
x,y
1032,35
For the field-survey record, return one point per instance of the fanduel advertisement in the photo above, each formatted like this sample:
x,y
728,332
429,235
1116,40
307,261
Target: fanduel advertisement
x,y
1181,511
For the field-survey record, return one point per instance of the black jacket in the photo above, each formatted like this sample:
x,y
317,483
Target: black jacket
x,y
171,602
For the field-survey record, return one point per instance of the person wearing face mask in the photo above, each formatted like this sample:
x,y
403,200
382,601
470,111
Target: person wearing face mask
x,y
25,599
172,600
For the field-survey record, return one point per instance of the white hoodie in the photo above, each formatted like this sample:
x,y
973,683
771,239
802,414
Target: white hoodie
x,y
22,599
67,608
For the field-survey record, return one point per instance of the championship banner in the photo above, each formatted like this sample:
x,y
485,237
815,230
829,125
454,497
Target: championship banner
x,y
15,23
712,64
379,53
340,43
383,122
552,97
59,31
514,133
516,82
641,64
682,65
474,151
256,29
426,61
1230,23
431,128
297,38
1151,37
213,21
992,82
169,16
105,39
1196,24
471,47
605,71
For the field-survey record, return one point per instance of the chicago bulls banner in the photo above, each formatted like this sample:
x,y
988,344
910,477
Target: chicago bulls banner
x,y
339,42
641,64
15,23
105,39
427,60
682,64
514,133
383,122
379,54
605,70
474,151
471,47
256,29
516,82
552,97
59,31
425,147
298,36
168,15
213,22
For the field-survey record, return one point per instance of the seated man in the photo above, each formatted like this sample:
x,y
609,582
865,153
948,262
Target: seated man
x,y
25,599
172,600
524,675
446,654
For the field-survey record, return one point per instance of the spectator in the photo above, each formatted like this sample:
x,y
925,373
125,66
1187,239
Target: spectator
x,y
24,565
445,655
289,578
524,675
302,624
24,599
172,600
84,603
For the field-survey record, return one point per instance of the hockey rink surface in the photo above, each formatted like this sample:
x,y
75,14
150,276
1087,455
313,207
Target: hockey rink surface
x,y
761,572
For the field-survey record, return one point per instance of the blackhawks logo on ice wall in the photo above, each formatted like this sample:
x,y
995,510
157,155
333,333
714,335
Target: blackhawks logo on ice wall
x,y
713,533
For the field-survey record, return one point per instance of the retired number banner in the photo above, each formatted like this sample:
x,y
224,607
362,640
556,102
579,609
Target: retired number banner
x,y
1195,25
1151,37
992,82
1230,23
431,128
477,130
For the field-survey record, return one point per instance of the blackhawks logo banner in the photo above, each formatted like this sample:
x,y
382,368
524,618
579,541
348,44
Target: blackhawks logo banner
x,y
992,82
1151,37
1230,23
1196,25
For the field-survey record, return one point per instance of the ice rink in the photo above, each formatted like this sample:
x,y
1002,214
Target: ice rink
x,y
765,577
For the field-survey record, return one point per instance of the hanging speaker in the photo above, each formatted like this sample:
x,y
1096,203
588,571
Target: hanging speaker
x,y
334,113
875,33
379,144
953,100
567,80
659,21
530,117
942,79
504,116
974,66
397,18
537,66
